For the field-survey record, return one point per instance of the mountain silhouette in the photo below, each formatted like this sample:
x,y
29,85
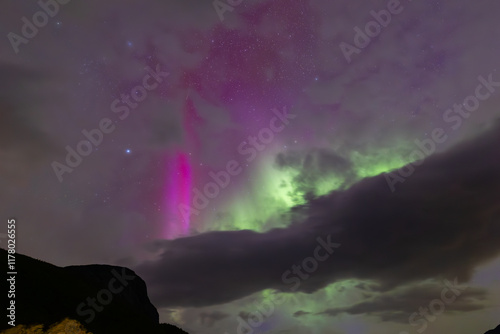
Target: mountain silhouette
x,y
100,299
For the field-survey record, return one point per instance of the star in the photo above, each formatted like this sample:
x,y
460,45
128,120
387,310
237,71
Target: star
x,y
128,151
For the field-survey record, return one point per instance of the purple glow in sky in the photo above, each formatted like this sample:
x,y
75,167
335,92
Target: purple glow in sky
x,y
177,193
356,119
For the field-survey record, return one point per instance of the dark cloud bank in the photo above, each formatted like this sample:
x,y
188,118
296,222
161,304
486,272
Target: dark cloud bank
x,y
440,223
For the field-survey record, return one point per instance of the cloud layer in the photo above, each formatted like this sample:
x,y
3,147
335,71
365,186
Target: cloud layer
x,y
442,222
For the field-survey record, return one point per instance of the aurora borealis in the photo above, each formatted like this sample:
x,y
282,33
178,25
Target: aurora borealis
x,y
178,186
257,138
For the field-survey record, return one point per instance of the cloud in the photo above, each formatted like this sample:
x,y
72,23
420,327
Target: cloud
x,y
300,313
24,145
18,126
314,166
398,304
209,318
442,222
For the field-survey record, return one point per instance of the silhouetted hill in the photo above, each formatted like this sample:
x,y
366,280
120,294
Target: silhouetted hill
x,y
105,299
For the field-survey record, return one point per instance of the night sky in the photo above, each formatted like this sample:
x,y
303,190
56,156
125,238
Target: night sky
x,y
212,147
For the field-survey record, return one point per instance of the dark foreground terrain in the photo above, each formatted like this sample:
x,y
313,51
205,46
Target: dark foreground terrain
x,y
104,299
